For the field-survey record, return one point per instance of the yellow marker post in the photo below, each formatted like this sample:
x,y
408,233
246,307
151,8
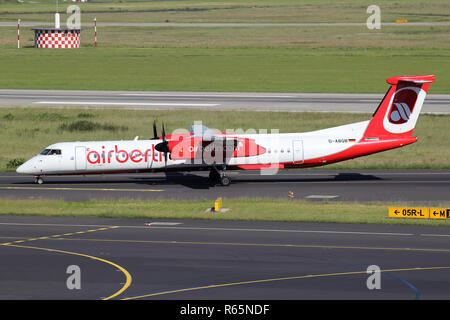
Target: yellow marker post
x,y
401,21
218,204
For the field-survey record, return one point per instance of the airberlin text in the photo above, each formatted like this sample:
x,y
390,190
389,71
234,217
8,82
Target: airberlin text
x,y
122,156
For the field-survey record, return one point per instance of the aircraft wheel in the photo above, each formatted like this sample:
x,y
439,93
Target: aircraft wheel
x,y
38,180
225,181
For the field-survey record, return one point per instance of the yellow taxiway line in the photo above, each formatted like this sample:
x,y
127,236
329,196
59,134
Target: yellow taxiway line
x,y
123,270
278,279
81,189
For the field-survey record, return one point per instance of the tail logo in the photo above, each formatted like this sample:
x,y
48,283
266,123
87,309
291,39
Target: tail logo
x,y
400,113
403,105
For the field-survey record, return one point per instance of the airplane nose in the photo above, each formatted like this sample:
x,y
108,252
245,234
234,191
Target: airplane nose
x,y
21,169
24,168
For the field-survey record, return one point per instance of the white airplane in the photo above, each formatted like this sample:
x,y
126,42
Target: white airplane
x,y
201,148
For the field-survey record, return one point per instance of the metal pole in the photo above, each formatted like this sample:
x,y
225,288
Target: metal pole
x,y
95,32
18,34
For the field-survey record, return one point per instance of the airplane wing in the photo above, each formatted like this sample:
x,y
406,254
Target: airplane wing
x,y
209,146
209,149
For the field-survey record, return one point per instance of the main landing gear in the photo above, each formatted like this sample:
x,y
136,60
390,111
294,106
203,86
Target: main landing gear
x,y
215,176
38,180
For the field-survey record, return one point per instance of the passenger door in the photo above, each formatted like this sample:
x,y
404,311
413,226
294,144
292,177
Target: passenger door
x,y
297,146
80,158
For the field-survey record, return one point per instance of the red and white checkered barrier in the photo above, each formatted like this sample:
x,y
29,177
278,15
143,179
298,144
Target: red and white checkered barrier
x,y
56,38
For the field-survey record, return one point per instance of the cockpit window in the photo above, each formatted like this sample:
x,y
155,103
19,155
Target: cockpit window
x,y
47,152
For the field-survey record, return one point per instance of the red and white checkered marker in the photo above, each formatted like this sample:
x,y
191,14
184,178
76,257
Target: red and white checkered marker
x,y
50,38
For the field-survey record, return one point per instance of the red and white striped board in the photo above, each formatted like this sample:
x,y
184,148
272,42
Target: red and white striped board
x,y
95,32
57,38
18,33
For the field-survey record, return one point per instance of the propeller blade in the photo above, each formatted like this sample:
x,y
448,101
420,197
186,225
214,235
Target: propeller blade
x,y
155,132
166,145
163,132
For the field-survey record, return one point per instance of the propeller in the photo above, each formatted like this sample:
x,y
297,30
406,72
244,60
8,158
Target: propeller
x,y
166,145
163,146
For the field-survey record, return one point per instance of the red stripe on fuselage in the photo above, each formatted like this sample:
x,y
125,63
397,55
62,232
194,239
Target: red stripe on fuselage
x,y
362,148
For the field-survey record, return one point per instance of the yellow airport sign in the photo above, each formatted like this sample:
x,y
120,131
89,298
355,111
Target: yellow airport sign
x,y
417,213
439,213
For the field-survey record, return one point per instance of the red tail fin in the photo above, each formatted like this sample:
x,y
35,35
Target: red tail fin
x,y
398,111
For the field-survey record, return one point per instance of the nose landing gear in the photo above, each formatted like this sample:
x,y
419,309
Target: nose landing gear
x,y
38,180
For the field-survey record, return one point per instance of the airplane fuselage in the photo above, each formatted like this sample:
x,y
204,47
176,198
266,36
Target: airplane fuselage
x,y
279,151
391,127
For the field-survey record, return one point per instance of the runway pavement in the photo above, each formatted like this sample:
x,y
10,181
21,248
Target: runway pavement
x,y
314,185
139,259
294,102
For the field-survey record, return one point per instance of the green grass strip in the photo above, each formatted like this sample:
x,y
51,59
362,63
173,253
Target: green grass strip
x,y
219,69
239,209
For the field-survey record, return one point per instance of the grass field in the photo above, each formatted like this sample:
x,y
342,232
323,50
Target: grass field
x,y
240,209
220,69
256,59
26,131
